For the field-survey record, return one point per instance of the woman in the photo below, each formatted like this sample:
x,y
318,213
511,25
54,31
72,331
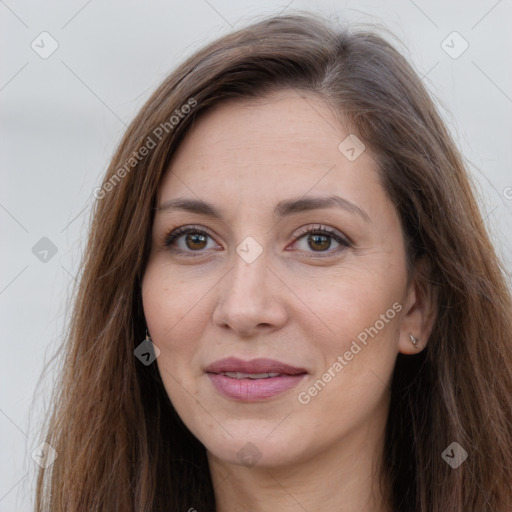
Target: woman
x,y
289,300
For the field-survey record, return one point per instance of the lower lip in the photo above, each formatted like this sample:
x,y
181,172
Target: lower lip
x,y
252,390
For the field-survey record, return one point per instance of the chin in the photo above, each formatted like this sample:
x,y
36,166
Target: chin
x,y
256,445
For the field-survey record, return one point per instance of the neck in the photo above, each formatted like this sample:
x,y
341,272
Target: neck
x,y
344,478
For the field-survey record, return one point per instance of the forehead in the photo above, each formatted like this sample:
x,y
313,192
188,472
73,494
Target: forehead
x,y
262,150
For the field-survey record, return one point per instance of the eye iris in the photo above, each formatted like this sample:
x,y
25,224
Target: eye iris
x,y
317,239
195,238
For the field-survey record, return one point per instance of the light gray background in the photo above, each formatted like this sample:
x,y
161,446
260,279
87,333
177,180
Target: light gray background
x,y
63,116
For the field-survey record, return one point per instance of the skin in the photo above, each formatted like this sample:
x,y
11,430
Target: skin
x,y
298,302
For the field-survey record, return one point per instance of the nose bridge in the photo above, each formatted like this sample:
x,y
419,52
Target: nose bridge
x,y
246,299
248,279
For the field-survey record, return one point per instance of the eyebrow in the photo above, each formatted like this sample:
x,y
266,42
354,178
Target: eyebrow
x,y
282,209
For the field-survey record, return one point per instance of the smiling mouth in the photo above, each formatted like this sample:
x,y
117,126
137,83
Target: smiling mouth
x,y
254,380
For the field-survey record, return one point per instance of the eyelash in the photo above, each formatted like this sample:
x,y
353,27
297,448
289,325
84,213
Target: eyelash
x,y
318,229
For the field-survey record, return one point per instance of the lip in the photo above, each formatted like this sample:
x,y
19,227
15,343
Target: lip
x,y
251,390
260,365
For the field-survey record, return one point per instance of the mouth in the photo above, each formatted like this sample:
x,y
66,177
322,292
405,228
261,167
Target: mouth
x,y
254,380
240,375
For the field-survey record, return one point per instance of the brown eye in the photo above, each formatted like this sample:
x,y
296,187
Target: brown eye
x,y
319,242
195,240
319,239
187,240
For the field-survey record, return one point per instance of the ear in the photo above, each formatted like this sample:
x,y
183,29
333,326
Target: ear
x,y
420,307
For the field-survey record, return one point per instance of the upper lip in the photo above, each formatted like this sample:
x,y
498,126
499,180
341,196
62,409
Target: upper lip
x,y
260,365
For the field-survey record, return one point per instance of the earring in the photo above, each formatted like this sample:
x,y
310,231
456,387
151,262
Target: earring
x,y
414,341
147,336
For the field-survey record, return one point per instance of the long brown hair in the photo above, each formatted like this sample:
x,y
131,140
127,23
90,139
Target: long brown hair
x,y
120,443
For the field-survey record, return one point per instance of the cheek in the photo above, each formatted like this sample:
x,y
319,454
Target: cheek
x,y
360,314
169,301
164,311
344,303
176,314
357,361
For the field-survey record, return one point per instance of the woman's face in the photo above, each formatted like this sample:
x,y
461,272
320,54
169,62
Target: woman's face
x,y
279,313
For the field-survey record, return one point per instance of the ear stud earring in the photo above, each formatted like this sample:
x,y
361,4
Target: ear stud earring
x,y
414,341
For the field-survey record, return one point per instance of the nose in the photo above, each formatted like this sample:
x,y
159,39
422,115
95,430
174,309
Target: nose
x,y
249,298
